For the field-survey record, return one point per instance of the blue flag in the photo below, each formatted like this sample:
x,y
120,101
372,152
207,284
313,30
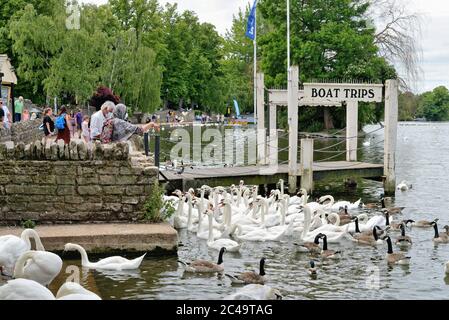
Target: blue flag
x,y
251,27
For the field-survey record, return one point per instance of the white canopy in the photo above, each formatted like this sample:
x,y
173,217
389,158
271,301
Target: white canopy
x,y
7,69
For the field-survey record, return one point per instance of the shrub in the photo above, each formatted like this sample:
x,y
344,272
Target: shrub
x,y
156,210
28,224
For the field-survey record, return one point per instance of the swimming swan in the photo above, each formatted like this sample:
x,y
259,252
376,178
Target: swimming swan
x,y
112,263
40,266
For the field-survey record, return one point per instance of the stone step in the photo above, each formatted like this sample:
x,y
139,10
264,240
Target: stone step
x,y
107,239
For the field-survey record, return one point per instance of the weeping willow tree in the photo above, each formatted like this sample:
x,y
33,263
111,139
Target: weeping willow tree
x,y
134,73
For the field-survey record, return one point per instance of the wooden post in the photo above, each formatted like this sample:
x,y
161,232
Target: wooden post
x,y
352,119
391,131
261,131
273,145
293,128
307,164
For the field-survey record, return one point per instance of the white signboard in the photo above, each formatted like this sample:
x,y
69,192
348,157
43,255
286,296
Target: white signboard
x,y
339,92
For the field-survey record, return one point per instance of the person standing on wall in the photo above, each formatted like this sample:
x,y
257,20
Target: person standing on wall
x,y
62,124
18,109
6,116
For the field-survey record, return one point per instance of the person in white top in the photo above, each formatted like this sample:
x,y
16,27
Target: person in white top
x,y
98,118
7,118
85,129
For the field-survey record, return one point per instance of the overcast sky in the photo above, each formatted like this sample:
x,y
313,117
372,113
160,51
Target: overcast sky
x,y
434,41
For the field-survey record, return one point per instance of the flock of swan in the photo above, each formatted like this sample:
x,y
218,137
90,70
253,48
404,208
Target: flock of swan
x,y
32,271
227,218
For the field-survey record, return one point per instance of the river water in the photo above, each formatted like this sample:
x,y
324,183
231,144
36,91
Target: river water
x,y
362,273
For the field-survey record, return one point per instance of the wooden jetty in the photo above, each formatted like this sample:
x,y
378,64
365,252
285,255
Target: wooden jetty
x,y
261,175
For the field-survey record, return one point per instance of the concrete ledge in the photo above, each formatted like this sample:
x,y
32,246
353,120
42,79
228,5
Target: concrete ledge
x,y
107,239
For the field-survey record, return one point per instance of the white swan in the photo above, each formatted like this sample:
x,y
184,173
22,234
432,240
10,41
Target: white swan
x,y
24,289
112,263
12,247
230,245
211,232
255,292
403,186
335,206
263,234
40,266
74,291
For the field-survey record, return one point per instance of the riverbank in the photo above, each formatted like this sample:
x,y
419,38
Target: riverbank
x,y
107,239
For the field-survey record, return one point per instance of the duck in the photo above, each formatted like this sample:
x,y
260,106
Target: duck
x,y
312,269
423,223
111,263
439,237
12,247
74,291
446,268
372,239
250,277
403,240
40,266
204,266
255,292
326,253
395,258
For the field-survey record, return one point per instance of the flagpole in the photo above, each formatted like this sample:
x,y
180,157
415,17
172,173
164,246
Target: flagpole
x,y
255,66
288,35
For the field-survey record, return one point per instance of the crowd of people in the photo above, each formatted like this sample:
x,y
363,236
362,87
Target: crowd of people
x,y
109,124
21,113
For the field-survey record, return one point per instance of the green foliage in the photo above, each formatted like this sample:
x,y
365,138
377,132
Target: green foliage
x,y
434,105
28,224
156,210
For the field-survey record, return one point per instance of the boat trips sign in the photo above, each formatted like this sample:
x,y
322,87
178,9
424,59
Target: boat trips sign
x,y
339,92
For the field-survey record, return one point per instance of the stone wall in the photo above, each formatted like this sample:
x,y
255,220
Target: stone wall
x,y
77,183
26,132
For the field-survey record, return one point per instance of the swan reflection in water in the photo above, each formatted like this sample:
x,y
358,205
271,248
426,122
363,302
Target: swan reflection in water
x,y
122,275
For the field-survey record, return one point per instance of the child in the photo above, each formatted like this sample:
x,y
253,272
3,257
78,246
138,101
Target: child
x,y
85,129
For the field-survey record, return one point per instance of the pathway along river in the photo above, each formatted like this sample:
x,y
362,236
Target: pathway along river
x,y
423,160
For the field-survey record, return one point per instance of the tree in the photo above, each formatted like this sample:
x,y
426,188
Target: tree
x,y
238,63
36,39
434,105
397,32
326,44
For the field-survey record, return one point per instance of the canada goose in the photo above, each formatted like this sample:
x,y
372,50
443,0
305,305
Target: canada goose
x,y
395,258
439,237
250,277
446,227
394,226
423,223
311,247
403,240
329,254
312,270
372,239
391,210
205,266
